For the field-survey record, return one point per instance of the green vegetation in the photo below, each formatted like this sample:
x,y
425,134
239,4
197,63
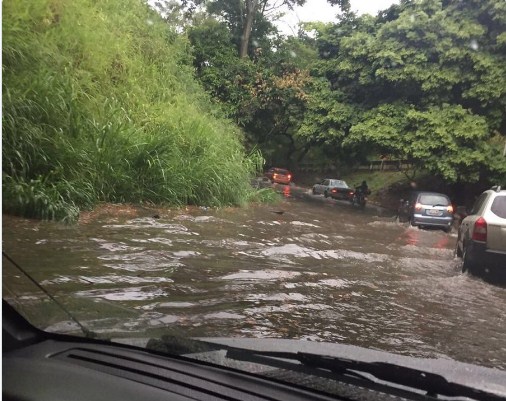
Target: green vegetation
x,y
108,101
100,104
376,180
423,81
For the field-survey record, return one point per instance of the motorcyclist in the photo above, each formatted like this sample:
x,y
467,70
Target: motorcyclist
x,y
363,188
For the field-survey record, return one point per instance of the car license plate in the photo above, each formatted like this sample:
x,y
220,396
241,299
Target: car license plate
x,y
434,212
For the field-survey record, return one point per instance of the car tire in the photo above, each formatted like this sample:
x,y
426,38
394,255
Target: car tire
x,y
412,222
326,194
458,252
447,229
466,263
314,191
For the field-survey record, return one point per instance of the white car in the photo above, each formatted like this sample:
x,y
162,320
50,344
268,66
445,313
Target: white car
x,y
481,239
324,187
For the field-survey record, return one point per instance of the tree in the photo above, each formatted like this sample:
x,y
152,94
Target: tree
x,y
425,80
445,140
247,17
266,95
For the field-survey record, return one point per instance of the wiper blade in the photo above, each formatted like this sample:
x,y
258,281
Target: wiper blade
x,y
432,383
87,333
386,377
337,368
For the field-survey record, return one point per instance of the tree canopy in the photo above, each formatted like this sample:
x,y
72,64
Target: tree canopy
x,y
425,81
422,81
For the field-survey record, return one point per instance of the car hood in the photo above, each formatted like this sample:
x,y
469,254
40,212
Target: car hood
x,y
478,377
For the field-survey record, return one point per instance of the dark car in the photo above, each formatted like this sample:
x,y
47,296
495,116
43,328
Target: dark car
x,y
427,209
341,191
481,239
279,175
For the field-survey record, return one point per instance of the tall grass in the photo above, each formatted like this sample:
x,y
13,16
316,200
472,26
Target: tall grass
x,y
100,104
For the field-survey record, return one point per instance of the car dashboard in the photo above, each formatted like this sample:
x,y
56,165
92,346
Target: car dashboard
x,y
41,366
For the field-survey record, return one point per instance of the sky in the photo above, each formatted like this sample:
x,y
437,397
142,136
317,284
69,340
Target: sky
x,y
320,10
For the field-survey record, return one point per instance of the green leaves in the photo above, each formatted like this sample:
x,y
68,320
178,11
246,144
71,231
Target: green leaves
x,y
100,104
425,81
445,140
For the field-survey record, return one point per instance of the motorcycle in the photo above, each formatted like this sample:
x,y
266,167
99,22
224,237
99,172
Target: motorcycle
x,y
360,197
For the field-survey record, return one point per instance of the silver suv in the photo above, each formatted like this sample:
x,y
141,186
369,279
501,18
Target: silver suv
x,y
427,209
481,239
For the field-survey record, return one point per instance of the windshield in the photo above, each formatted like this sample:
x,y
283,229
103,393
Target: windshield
x,y
339,184
434,200
135,134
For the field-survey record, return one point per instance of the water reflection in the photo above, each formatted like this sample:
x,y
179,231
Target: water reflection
x,y
287,192
411,236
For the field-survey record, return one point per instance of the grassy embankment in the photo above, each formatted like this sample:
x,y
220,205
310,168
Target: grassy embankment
x,y
100,104
387,187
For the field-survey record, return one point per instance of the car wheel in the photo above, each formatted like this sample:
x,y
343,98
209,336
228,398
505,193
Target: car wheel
x,y
314,191
458,252
326,194
466,263
447,229
412,222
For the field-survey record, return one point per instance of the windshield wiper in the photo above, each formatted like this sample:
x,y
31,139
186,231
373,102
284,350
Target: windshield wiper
x,y
87,333
385,377
369,374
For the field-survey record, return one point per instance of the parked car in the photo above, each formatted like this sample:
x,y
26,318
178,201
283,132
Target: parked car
x,y
337,189
279,175
427,209
481,241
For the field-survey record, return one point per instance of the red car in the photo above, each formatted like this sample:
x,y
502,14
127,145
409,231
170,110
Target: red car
x,y
279,175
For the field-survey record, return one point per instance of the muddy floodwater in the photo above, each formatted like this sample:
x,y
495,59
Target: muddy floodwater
x,y
307,268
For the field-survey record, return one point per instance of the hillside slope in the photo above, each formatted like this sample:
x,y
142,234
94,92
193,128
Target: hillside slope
x,y
100,104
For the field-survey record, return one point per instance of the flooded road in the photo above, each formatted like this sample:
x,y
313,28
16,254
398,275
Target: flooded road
x,y
307,268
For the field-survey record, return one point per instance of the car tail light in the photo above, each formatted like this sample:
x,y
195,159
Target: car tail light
x,y
480,230
275,175
334,190
289,176
450,209
418,206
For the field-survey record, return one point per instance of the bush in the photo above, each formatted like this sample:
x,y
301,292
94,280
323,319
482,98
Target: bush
x,y
100,104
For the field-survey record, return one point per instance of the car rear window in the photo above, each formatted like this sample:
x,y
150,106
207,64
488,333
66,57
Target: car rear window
x,y
431,199
499,206
339,183
281,171
479,202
